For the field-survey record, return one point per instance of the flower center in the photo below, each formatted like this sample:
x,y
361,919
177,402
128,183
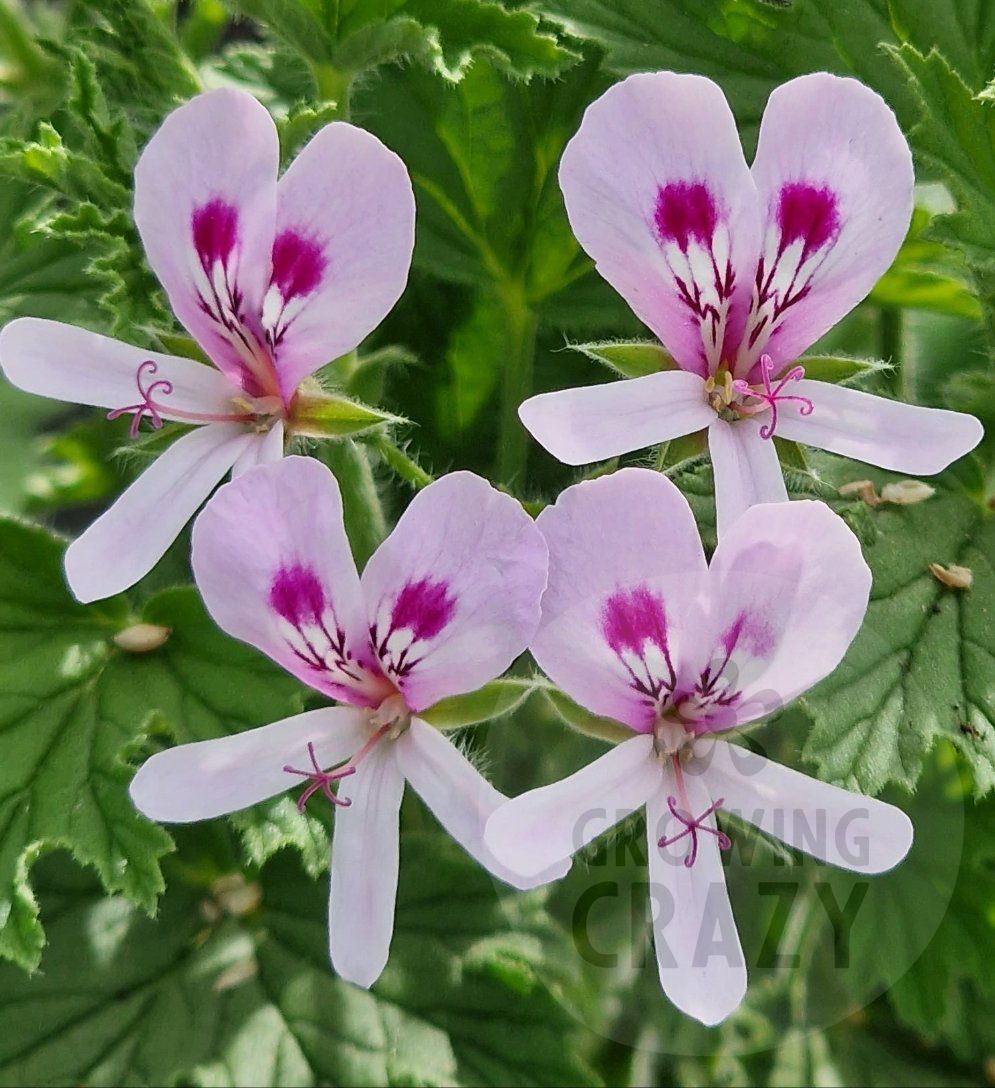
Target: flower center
x,y
767,395
262,412
734,398
391,719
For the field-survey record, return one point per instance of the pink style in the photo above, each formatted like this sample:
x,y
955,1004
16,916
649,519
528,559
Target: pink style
x,y
272,275
637,627
445,605
738,270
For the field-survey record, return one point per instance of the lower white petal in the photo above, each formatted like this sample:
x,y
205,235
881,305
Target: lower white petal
x,y
127,541
699,957
888,433
846,829
460,797
365,849
214,777
594,422
532,833
746,469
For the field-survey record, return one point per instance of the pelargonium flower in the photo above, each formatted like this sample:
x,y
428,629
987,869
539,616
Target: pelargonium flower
x,y
638,628
445,604
737,270
273,277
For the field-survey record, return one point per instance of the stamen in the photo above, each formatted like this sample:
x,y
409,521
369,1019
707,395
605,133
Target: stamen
x,y
770,396
322,780
148,406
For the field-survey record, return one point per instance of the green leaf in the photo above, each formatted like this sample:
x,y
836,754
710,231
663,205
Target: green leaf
x,y
73,706
631,359
512,40
919,670
252,999
493,700
956,134
442,35
300,124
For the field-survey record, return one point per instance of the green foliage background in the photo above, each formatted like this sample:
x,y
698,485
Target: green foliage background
x,y
133,956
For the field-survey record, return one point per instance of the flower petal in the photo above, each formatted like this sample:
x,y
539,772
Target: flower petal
x,y
887,433
789,590
625,563
700,960
345,230
832,824
214,777
459,796
746,469
127,540
273,565
267,449
594,422
533,833
75,365
453,592
205,207
365,850
659,194
834,176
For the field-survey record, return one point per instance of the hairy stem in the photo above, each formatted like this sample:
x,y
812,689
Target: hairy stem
x,y
516,382
365,524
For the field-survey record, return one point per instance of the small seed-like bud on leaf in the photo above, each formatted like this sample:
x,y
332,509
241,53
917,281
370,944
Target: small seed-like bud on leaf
x,y
230,977
142,638
864,488
907,492
953,576
235,895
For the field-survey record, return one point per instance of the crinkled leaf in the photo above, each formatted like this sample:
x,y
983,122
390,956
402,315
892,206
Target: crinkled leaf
x,y
956,134
73,706
253,1000
920,668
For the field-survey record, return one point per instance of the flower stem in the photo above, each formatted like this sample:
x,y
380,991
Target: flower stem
x,y
334,86
365,524
890,340
516,381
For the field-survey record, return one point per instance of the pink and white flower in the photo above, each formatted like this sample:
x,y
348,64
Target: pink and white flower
x,y
445,604
637,627
273,277
737,270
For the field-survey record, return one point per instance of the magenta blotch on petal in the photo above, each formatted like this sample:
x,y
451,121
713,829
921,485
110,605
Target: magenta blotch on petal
x,y
631,618
296,594
215,232
424,607
685,211
298,264
808,212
